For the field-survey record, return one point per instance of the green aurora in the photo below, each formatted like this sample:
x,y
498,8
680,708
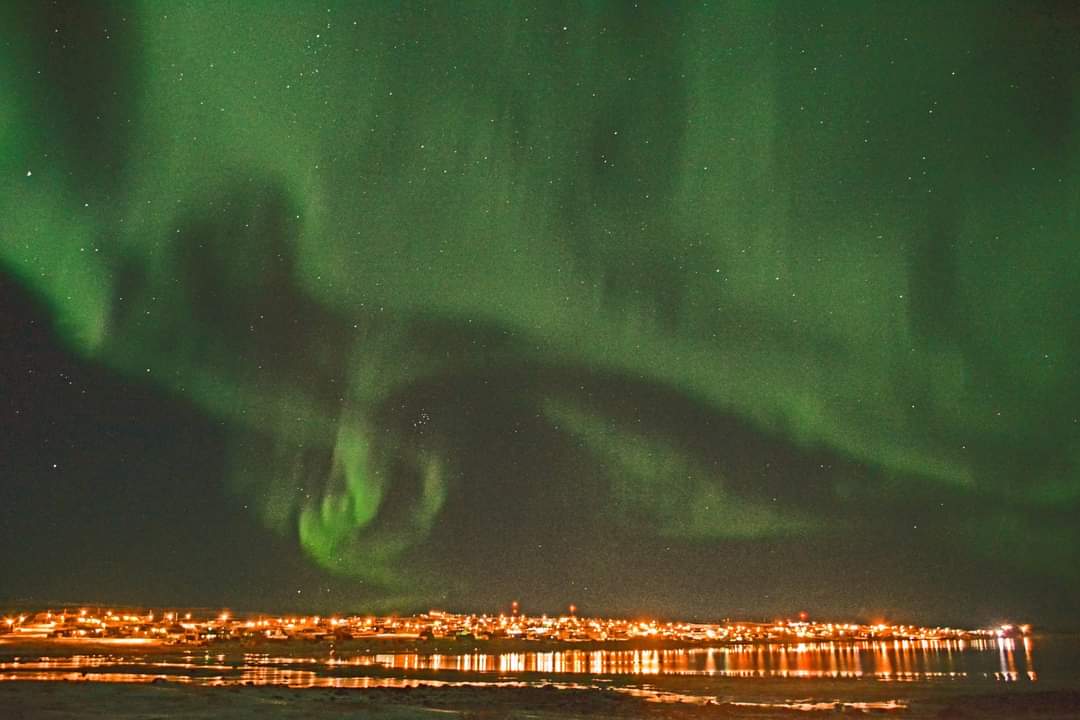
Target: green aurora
x,y
741,273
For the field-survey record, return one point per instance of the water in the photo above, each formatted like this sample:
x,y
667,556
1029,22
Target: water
x,y
867,675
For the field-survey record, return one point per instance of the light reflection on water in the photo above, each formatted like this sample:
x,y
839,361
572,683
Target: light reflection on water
x,y
893,661
898,660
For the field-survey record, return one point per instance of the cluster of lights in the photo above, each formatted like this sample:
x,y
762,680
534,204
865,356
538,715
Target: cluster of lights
x,y
174,627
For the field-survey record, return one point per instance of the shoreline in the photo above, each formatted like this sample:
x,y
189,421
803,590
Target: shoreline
x,y
438,646
31,699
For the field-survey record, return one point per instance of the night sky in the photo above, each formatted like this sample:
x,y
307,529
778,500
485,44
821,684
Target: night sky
x,y
689,309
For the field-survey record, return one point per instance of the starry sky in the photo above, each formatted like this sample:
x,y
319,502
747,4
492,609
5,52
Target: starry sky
x,y
693,309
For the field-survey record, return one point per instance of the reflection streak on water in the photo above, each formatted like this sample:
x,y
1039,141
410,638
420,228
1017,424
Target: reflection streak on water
x,y
893,661
1027,659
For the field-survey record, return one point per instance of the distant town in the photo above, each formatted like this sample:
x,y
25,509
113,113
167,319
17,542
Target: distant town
x,y
180,627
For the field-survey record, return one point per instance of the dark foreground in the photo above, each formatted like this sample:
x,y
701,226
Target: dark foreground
x,y
26,700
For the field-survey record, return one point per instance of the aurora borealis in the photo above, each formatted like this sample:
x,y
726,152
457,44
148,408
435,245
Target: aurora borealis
x,y
694,308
